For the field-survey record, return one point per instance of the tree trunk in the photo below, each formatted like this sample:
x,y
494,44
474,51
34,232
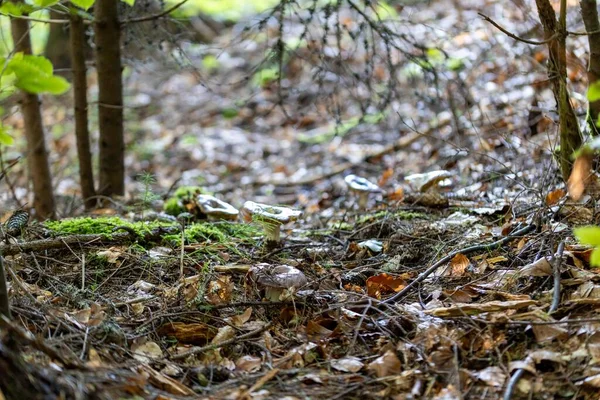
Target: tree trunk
x,y
570,136
20,380
37,155
110,97
589,12
86,174
57,45
4,303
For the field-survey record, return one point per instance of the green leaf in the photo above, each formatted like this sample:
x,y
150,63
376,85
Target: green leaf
x,y
129,2
5,138
22,64
593,93
85,4
595,258
588,235
43,84
34,74
45,3
18,9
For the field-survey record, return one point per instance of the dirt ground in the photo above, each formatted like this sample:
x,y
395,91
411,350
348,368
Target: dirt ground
x,y
471,286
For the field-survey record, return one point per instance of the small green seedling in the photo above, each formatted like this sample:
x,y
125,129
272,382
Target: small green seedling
x,y
590,235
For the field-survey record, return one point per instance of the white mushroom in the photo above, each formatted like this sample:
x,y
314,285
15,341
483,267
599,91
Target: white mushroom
x,y
270,217
277,280
216,209
362,187
427,180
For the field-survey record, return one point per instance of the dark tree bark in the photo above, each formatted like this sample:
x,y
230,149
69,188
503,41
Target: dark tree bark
x,y
570,136
57,44
110,107
589,12
37,155
86,174
4,303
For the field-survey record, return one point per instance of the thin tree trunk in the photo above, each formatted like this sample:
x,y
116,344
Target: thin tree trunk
x,y
4,303
57,44
37,155
589,12
110,97
86,174
570,136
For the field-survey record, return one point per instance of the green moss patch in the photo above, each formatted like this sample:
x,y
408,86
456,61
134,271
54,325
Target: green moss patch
x,y
101,226
221,232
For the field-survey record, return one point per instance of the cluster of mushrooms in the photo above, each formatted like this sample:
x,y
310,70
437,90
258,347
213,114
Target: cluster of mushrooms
x,y
271,218
279,282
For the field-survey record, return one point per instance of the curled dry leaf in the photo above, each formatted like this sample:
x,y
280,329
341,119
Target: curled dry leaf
x,y
458,265
541,267
386,365
224,333
219,290
241,319
554,197
196,333
320,329
381,284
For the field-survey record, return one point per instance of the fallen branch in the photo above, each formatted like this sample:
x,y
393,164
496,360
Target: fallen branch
x,y
61,242
86,240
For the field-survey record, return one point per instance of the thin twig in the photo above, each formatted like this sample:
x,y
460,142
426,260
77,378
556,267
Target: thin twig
x,y
513,383
512,35
422,276
154,16
556,263
33,19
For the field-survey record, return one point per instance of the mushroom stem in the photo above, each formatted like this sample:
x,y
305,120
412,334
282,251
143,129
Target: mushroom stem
x,y
363,199
272,232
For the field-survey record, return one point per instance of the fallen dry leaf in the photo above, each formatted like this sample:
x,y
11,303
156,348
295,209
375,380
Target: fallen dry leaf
x,y
474,309
347,364
385,365
193,333
146,351
554,197
381,284
165,383
580,175
458,265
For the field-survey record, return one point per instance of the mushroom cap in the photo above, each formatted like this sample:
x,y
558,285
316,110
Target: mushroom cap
x,y
427,180
280,276
215,208
271,214
360,184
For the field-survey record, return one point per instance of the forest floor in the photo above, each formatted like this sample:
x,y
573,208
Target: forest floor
x,y
469,287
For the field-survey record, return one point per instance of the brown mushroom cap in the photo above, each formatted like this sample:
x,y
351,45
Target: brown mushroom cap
x,y
275,280
215,208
